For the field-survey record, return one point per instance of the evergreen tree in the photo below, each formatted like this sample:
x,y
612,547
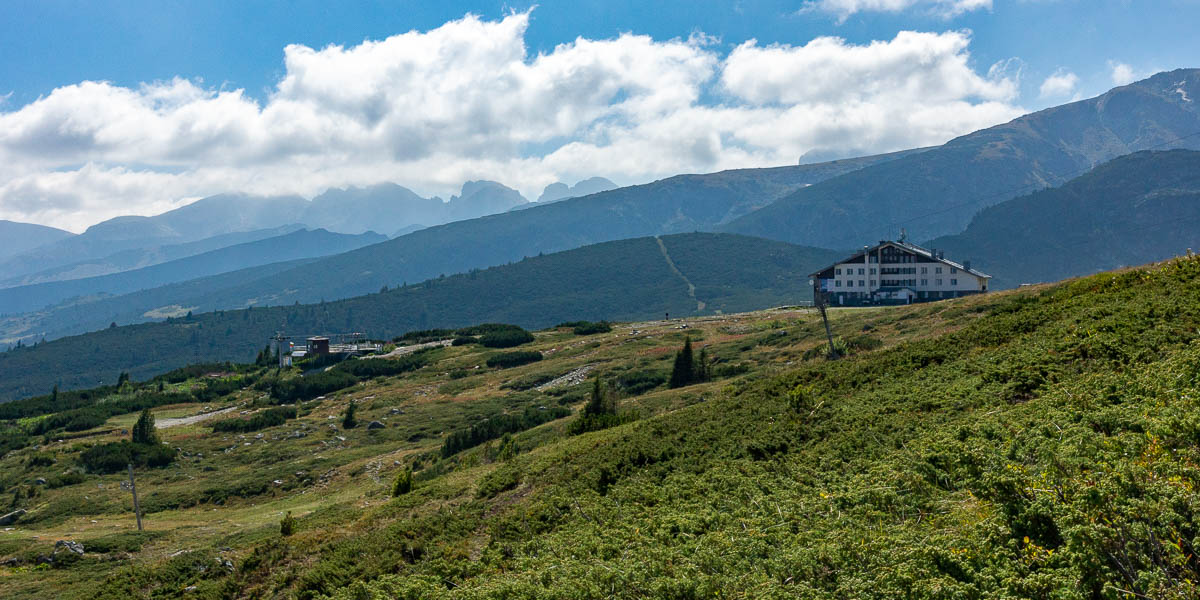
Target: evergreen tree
x,y
702,366
348,420
122,379
143,431
288,525
600,402
403,484
684,371
54,396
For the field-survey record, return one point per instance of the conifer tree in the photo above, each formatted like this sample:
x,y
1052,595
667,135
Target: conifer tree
x,y
348,420
403,484
143,431
684,371
702,366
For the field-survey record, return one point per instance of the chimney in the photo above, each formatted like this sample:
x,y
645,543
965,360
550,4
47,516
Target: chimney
x,y
967,265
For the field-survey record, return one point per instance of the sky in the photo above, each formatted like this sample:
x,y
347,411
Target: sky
x,y
137,107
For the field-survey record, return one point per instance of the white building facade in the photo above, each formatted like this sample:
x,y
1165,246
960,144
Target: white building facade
x,y
897,273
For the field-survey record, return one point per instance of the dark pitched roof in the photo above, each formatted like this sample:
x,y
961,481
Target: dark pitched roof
x,y
915,249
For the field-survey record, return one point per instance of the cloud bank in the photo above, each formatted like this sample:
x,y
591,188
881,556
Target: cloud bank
x,y
467,100
946,9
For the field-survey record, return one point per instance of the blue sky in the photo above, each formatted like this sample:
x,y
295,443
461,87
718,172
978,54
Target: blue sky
x,y
50,43
135,107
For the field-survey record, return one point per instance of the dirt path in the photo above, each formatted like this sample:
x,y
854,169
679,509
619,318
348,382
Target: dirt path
x,y
674,269
405,350
165,423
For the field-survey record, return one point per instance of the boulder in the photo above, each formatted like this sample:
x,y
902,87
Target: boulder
x,y
375,425
68,546
12,517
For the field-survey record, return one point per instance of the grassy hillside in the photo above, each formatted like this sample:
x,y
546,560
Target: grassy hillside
x,y
937,192
1038,443
1135,209
290,246
617,281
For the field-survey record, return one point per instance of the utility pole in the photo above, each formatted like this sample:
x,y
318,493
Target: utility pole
x,y
819,300
133,486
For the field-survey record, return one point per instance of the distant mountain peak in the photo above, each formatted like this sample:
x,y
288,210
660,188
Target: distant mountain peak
x,y
561,191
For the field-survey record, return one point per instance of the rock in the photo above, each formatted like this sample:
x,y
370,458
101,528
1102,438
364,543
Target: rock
x,y
68,546
396,411
341,439
375,425
12,517
40,481
225,563
12,562
278,482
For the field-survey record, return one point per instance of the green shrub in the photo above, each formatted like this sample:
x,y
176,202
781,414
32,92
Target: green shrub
x,y
507,338
296,389
287,526
125,541
114,456
508,360
497,426
268,418
403,483
589,328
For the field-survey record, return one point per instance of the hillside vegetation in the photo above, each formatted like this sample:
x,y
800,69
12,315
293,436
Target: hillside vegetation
x,y
622,280
937,192
1037,443
1133,210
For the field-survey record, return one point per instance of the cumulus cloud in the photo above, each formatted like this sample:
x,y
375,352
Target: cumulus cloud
x,y
946,9
1122,74
468,101
1061,83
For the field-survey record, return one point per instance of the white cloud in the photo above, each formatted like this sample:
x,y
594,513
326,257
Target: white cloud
x,y
467,101
946,9
1060,84
1122,74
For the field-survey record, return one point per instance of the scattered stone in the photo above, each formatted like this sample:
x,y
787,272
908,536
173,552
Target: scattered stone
x,y
225,563
12,517
67,546
278,482
341,439
40,481
375,425
396,411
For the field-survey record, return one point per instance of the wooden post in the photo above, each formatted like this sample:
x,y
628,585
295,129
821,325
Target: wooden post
x,y
133,486
819,299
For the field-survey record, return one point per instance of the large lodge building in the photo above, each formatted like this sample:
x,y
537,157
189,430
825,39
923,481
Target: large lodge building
x,y
896,273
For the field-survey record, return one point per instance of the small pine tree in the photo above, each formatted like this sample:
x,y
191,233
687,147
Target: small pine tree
x,y
403,484
702,366
143,431
288,525
122,379
600,401
54,394
684,371
348,420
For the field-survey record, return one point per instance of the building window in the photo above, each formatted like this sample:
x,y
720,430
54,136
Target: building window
x,y
872,283
862,283
953,282
924,282
837,271
837,283
850,283
937,270
924,270
872,270
860,271
953,270
939,282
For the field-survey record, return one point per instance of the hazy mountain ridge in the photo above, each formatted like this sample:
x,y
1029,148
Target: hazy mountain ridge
x,y
299,244
1135,209
21,237
623,279
937,192
385,208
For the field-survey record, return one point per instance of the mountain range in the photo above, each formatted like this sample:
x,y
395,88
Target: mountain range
x,y
383,208
22,237
1136,209
937,192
